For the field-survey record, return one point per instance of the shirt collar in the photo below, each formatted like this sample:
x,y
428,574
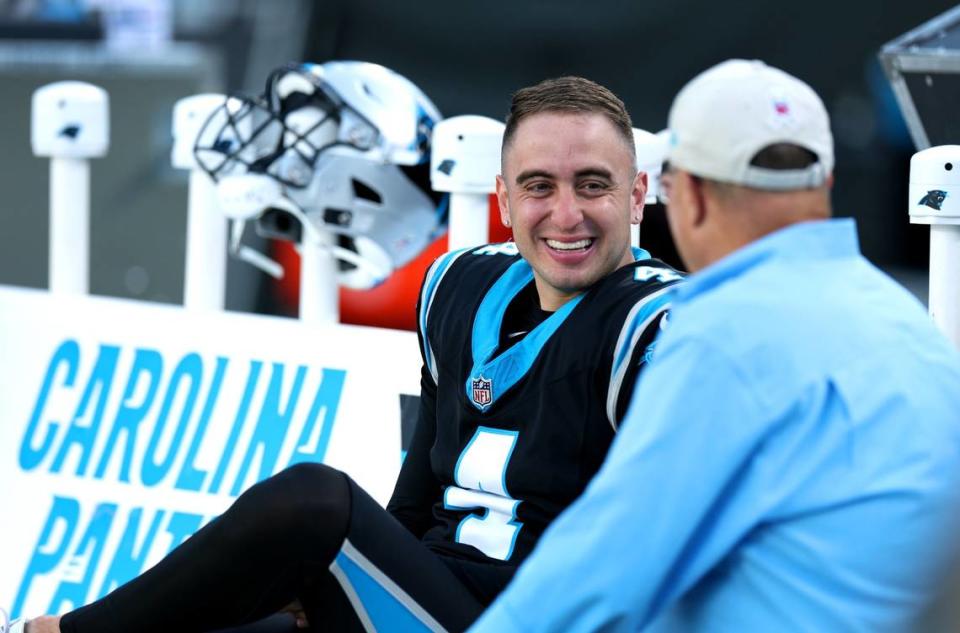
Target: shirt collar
x,y
805,240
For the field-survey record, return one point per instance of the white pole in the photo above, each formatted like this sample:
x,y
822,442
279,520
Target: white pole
x,y
944,300
469,220
69,256
204,286
935,200
70,124
197,122
465,161
319,296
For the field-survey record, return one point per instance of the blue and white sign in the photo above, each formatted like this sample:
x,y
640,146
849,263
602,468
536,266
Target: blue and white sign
x,y
125,426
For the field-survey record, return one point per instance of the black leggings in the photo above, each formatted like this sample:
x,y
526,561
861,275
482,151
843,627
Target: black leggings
x,y
307,533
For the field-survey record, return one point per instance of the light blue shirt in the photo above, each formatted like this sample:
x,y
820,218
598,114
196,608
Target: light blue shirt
x,y
790,461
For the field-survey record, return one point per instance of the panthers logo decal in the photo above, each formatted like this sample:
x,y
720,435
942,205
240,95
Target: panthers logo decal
x,y
934,199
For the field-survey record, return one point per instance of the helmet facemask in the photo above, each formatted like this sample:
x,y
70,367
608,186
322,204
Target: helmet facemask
x,y
301,162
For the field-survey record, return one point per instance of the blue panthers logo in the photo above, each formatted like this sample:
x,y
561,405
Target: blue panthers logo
x,y
934,199
71,131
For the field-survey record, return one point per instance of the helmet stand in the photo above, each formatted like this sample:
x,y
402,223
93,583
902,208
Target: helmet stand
x,y
935,200
469,220
465,162
205,272
70,124
319,295
944,298
650,149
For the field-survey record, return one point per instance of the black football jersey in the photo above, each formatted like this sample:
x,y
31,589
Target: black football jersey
x,y
514,435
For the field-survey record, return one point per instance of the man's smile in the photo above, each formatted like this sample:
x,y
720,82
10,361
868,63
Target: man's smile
x,y
558,245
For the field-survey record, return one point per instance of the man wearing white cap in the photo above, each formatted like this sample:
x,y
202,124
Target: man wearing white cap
x,y
798,460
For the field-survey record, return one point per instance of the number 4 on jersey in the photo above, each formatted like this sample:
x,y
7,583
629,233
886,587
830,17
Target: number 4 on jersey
x,y
481,483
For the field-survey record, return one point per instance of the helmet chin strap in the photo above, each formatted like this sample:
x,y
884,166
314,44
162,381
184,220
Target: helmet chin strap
x,y
249,255
312,238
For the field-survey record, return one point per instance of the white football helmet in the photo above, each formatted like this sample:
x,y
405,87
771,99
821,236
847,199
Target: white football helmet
x,y
340,147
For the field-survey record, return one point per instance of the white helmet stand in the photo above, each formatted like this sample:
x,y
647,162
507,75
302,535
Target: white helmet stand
x,y
935,200
205,274
464,162
70,123
319,296
319,290
650,149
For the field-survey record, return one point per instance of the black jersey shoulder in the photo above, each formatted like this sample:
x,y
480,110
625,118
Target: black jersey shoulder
x,y
452,289
552,398
637,299
642,276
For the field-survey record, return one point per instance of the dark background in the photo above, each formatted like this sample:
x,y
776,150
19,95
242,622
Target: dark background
x,y
469,56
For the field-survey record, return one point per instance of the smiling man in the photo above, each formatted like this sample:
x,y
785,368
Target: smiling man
x,y
531,348
529,361
570,192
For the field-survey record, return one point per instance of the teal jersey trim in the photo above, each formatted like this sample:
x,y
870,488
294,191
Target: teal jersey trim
x,y
640,254
431,282
504,371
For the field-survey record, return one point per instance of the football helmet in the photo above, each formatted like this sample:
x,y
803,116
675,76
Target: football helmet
x,y
341,147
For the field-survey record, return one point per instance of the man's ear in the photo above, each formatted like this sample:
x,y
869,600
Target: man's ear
x,y
638,197
698,195
502,201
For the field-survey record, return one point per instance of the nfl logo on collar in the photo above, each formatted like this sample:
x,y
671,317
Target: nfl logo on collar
x,y
482,392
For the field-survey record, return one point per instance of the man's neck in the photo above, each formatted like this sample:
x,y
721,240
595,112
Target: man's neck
x,y
552,299
521,317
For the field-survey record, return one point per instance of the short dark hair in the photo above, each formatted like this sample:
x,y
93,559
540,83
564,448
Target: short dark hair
x,y
573,95
780,156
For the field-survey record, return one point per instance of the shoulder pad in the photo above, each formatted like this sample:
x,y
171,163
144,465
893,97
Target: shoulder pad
x,y
504,248
658,272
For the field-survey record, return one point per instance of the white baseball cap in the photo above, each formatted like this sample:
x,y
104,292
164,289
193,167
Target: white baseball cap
x,y
725,115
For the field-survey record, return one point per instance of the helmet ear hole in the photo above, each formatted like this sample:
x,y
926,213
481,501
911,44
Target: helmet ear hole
x,y
279,224
339,218
365,192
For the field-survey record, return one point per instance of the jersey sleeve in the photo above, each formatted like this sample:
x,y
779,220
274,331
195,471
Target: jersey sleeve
x,y
417,488
634,348
642,354
425,303
668,504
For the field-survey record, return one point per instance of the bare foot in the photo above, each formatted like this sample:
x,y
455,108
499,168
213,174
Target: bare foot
x,y
44,624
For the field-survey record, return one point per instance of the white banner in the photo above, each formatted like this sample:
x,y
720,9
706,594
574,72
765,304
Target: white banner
x,y
126,426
